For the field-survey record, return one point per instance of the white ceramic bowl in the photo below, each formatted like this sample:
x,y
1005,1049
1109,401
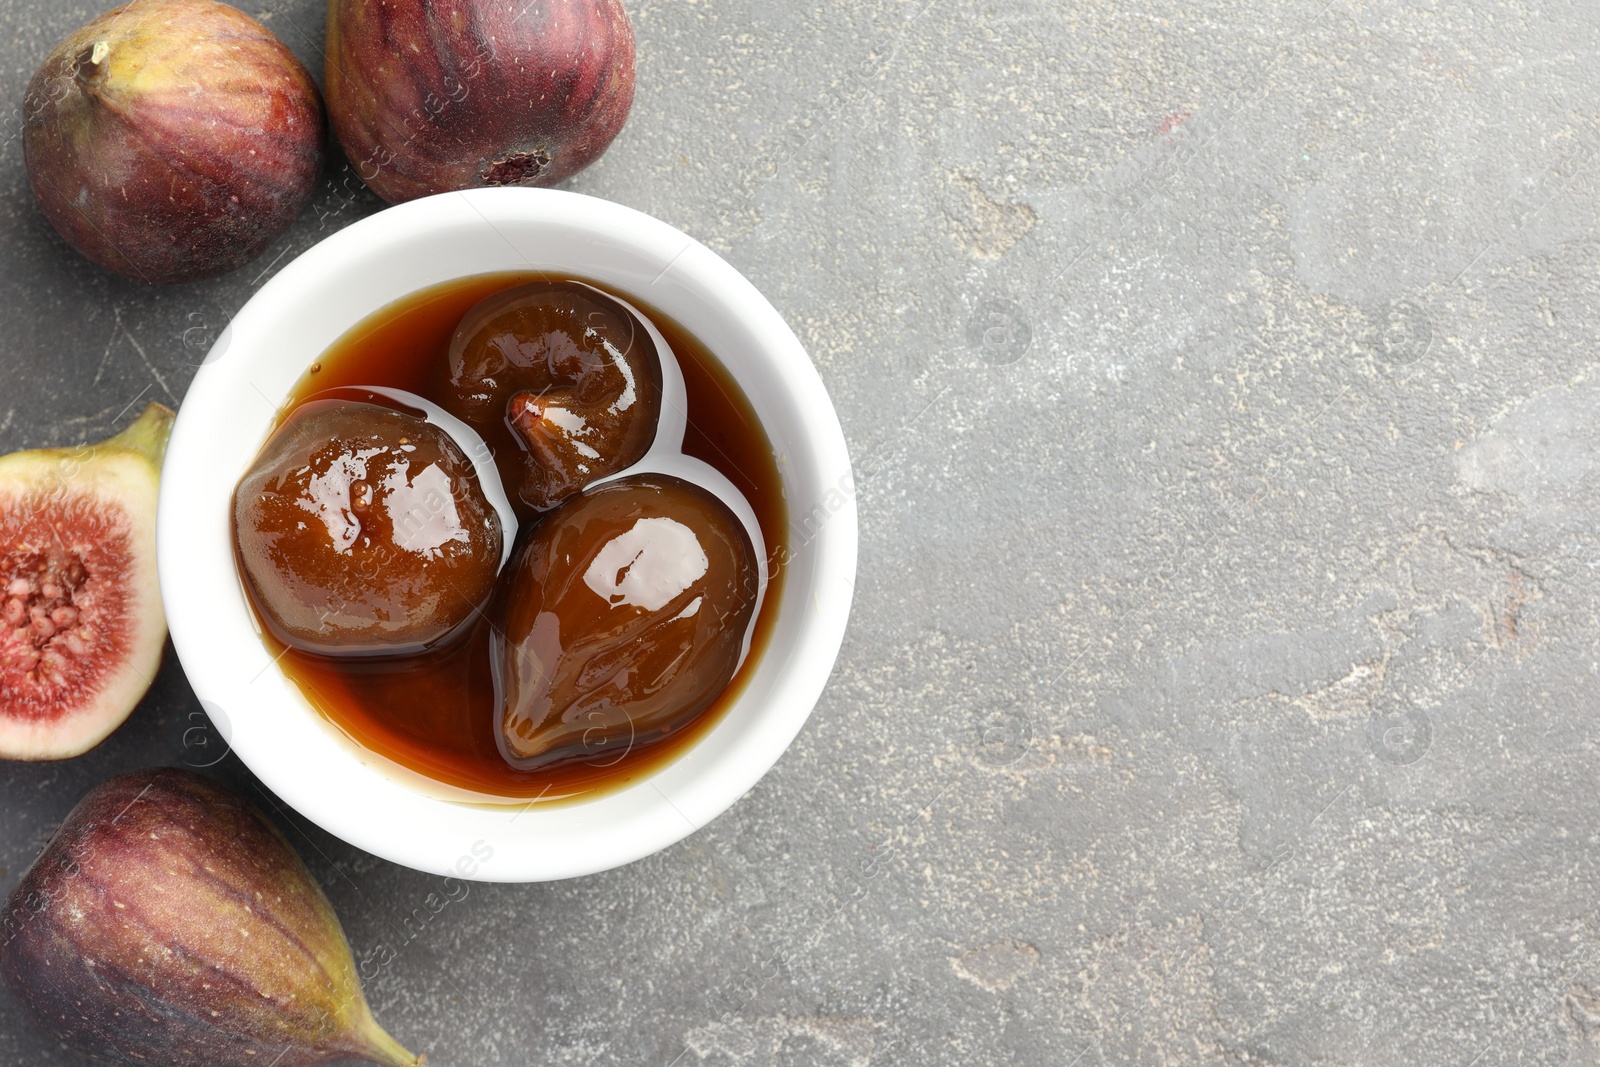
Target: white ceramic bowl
x,y
230,409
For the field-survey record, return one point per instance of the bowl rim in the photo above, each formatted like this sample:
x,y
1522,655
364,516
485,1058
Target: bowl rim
x,y
374,805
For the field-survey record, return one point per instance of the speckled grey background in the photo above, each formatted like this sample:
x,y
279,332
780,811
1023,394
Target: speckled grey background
x,y
1221,686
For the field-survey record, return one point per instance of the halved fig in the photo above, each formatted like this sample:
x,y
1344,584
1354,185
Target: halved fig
x,y
81,625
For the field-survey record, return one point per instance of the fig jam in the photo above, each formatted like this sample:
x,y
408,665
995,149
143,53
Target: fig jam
x,y
436,714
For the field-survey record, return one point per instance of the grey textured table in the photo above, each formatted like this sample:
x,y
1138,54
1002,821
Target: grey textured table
x,y
1221,687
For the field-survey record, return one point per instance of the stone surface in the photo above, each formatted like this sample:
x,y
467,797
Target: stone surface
x,y
1221,687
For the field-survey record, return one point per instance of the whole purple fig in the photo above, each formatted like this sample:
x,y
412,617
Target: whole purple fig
x,y
427,96
172,140
167,922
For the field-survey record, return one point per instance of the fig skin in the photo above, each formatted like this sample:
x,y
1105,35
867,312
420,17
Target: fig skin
x,y
81,624
429,96
168,922
172,140
362,531
623,618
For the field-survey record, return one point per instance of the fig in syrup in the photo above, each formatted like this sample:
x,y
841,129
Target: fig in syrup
x,y
623,616
570,372
362,531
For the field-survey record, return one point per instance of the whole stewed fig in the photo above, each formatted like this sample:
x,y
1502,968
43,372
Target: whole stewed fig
x,y
172,140
572,373
622,618
362,531
427,96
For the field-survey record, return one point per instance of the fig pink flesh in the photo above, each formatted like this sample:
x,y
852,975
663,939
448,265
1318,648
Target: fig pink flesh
x,y
64,610
81,627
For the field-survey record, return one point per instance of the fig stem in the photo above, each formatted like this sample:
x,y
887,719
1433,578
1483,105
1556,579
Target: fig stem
x,y
147,436
91,64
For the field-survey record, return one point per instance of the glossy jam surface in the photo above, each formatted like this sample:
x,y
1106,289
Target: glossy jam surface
x,y
362,531
574,376
436,713
624,614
